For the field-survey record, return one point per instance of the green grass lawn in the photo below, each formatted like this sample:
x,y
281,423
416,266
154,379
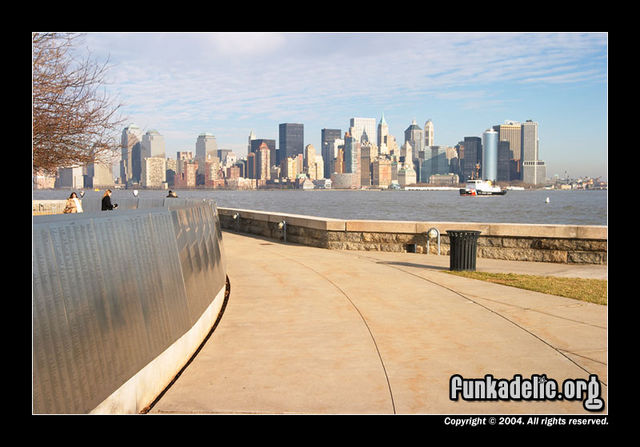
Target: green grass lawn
x,y
590,290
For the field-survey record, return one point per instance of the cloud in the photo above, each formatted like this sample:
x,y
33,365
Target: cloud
x,y
177,81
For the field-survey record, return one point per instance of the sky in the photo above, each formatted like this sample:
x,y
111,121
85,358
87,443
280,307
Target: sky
x,y
229,84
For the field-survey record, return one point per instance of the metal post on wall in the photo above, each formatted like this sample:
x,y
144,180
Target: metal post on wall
x,y
283,226
433,233
236,218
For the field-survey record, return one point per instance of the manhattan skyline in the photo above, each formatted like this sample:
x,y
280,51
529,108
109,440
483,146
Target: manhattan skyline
x,y
229,84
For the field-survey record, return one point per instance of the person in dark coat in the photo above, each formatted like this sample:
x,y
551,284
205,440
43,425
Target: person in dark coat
x,y
106,201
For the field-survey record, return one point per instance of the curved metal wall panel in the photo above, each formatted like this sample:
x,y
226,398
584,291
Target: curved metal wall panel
x,y
113,290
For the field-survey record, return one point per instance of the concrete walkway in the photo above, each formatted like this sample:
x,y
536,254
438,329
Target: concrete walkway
x,y
315,331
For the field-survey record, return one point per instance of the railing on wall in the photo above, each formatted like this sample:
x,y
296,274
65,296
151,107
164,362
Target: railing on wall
x,y
114,290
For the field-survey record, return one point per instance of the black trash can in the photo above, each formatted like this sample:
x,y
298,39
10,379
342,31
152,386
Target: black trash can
x,y
463,247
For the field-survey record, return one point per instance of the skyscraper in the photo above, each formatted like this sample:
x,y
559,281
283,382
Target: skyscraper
x,y
529,145
360,125
153,145
490,155
252,136
262,162
352,158
415,136
428,134
472,157
328,136
533,170
130,163
511,131
383,136
435,162
291,140
206,146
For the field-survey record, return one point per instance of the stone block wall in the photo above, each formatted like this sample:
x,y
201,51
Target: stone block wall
x,y
579,244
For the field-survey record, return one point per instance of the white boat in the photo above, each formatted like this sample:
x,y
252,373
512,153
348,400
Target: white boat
x,y
481,188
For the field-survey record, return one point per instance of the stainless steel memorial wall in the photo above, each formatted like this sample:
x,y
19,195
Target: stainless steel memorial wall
x,y
113,291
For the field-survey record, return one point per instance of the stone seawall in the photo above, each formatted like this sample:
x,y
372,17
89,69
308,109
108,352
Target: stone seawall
x,y
571,244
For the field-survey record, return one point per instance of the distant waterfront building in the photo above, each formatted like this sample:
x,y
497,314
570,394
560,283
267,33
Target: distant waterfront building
x,y
428,134
415,136
381,172
172,168
529,142
435,162
313,163
328,149
360,125
291,140
252,137
263,162
504,161
184,155
186,174
206,146
98,175
383,136
407,175
43,180
352,156
533,169
154,172
130,162
490,155
345,180
368,153
70,178
511,131
472,157
444,179
256,143
153,145
213,177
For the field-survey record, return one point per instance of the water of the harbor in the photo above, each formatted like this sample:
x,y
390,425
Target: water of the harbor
x,y
572,207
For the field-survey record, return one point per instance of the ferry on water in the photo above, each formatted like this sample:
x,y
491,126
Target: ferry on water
x,y
481,188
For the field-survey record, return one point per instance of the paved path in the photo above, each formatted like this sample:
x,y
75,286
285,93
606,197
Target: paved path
x,y
317,331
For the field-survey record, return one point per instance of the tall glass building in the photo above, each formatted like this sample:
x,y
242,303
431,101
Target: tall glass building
x,y
472,156
206,147
130,160
434,162
328,136
153,144
361,125
291,139
490,155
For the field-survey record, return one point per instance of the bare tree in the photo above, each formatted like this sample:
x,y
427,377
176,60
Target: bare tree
x,y
74,121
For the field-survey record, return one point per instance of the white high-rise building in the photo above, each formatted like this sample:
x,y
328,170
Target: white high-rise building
x,y
490,155
154,172
153,145
130,160
206,146
383,136
428,134
252,136
534,170
360,125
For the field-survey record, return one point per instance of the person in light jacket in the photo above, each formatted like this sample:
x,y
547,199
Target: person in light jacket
x,y
73,204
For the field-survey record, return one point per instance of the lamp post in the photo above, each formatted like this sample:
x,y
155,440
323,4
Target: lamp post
x,y
283,226
431,234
